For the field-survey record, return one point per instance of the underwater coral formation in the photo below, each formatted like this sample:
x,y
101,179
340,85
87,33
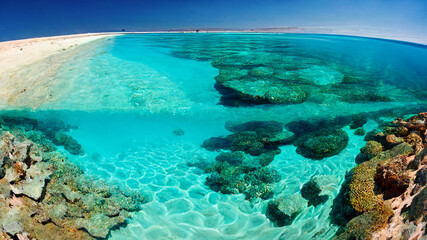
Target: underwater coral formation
x,y
322,143
235,172
272,78
254,138
43,195
388,190
244,169
272,70
43,132
253,146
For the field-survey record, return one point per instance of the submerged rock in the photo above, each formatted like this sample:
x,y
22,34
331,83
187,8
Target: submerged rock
x,y
35,181
392,177
358,120
241,92
311,191
418,208
42,133
359,132
282,211
260,127
178,132
216,143
265,78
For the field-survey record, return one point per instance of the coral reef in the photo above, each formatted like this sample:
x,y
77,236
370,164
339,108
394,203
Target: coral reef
x,y
283,65
236,172
360,132
267,78
69,143
388,190
370,150
43,133
45,196
300,128
342,211
322,143
253,146
254,138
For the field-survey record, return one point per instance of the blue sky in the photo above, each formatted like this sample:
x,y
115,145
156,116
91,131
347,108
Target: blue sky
x,y
31,18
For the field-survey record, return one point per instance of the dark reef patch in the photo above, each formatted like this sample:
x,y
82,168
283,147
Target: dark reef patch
x,y
311,191
244,169
254,138
235,172
322,143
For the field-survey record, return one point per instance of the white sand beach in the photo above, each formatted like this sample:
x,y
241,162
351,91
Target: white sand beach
x,y
17,79
18,53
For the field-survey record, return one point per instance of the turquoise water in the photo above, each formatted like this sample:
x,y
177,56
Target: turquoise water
x,y
127,94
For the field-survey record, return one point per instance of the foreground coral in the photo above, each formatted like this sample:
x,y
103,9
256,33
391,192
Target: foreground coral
x,y
385,196
45,196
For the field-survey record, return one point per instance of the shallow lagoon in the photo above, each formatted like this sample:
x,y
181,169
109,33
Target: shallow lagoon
x,y
127,94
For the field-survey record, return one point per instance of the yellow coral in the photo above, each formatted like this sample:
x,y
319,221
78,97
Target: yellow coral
x,y
362,196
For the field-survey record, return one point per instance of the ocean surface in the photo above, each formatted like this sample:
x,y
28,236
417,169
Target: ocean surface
x,y
144,104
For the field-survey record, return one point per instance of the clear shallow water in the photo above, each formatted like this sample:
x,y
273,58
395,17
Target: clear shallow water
x,y
127,95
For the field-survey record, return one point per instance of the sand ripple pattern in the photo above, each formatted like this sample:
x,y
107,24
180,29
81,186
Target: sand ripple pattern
x,y
183,207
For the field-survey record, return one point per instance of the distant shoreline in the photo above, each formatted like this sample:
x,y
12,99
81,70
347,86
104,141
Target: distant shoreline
x,y
353,32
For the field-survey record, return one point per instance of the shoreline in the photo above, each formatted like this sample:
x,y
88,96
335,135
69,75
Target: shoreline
x,y
18,53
